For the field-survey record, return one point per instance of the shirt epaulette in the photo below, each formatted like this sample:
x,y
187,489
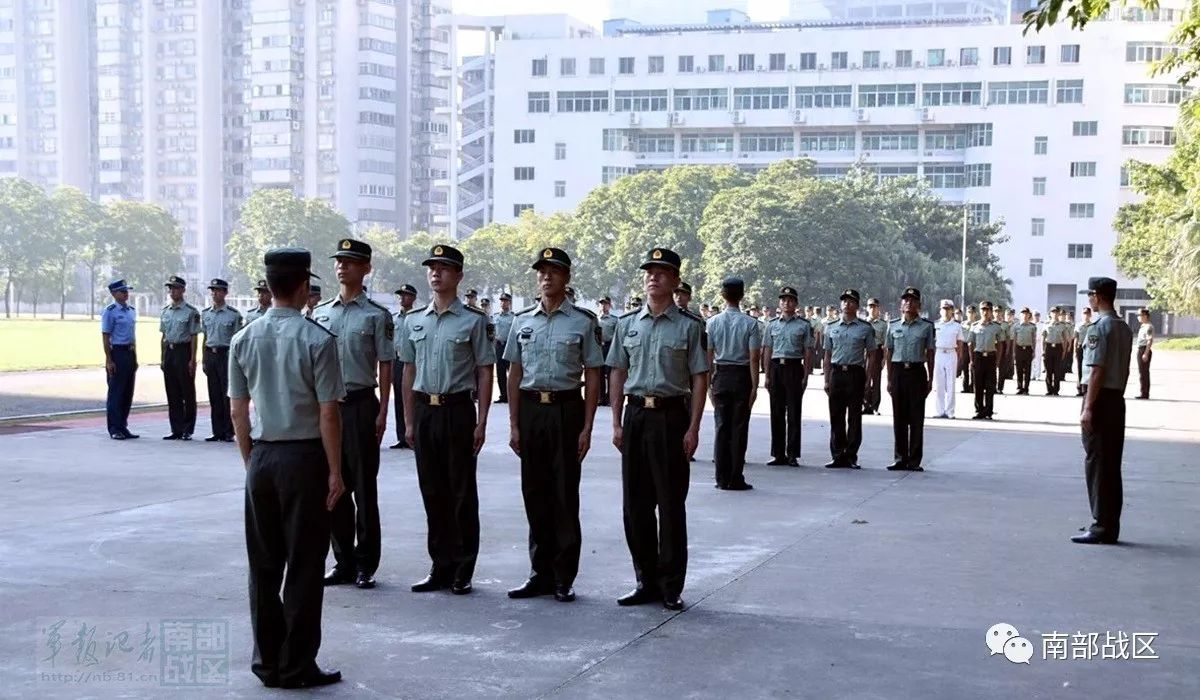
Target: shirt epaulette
x,y
113,304
327,302
306,318
630,312
415,309
472,309
587,312
527,309
692,315
379,306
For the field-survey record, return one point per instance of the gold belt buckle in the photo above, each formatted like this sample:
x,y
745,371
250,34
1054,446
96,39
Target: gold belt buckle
x,y
783,360
435,399
650,401
544,397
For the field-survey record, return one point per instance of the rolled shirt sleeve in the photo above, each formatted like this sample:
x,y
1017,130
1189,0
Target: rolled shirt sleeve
x,y
239,387
385,335
106,321
618,358
593,354
485,349
697,353
327,371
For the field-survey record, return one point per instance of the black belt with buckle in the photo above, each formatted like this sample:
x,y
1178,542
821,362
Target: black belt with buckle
x,y
658,401
551,397
120,347
984,354
787,360
218,348
177,346
908,365
1053,345
443,399
845,368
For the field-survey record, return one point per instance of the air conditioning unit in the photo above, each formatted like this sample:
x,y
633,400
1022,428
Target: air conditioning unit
x,y
683,155
853,66
821,67
951,63
634,119
791,67
743,155
729,69
798,116
676,118
886,64
738,118
917,64
861,115
926,115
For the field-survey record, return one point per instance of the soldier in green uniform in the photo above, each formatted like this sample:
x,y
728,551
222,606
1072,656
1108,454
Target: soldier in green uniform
x,y
288,366
503,322
984,338
787,353
608,327
1006,363
550,345
314,298
365,337
1145,352
1102,421
966,363
849,366
1024,336
179,323
909,355
1067,332
448,353
219,322
683,296
880,326
1053,338
407,295
264,301
1080,338
660,365
734,345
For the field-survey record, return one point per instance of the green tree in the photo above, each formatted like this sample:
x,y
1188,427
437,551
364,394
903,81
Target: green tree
x,y
406,263
75,222
385,263
147,243
24,228
275,217
498,256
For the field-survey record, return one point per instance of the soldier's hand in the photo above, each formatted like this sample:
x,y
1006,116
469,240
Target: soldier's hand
x,y
691,440
928,387
408,434
891,388
827,387
480,436
1085,421
618,438
585,443
767,383
110,367
192,368
514,441
753,395
380,426
336,489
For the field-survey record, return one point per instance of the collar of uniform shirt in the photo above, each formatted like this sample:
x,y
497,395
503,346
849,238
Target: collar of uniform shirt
x,y
566,308
282,311
360,299
671,312
455,307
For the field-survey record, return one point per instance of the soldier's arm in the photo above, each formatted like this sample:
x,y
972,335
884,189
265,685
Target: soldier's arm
x,y
239,406
385,353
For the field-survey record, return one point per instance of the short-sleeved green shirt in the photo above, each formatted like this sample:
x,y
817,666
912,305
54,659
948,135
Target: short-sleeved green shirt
x,y
1054,333
446,348
986,337
732,335
880,327
661,353
608,326
365,335
1109,344
503,322
849,341
554,348
789,338
179,324
287,365
909,340
256,312
219,325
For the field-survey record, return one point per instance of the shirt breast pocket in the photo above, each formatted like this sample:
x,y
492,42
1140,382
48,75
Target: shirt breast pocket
x,y
420,345
674,351
633,349
458,347
567,349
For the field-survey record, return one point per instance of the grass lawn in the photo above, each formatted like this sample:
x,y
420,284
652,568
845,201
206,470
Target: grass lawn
x,y
1192,343
27,344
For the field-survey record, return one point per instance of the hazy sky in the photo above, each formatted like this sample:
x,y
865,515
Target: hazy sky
x,y
593,11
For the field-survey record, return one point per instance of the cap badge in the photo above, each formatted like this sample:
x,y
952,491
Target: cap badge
x,y
437,250
547,253
345,245
657,254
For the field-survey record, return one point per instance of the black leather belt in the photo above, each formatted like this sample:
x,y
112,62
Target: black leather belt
x,y
844,368
309,441
656,402
360,394
551,397
120,347
177,346
908,365
984,354
787,360
443,399
219,348
727,367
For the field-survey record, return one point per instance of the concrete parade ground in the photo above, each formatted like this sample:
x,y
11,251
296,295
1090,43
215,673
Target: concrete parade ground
x,y
125,567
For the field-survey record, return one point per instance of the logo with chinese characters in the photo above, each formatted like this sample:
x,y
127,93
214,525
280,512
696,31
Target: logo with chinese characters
x,y
1003,638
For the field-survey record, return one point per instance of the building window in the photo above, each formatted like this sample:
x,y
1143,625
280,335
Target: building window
x,y
612,173
1147,136
904,59
1082,211
767,142
937,94
582,100
980,213
943,176
701,99
777,61
1037,227
1018,92
870,59
760,98
539,67
1148,51
615,140
521,173
566,66
1083,168
706,143
1041,144
625,65
978,174
1125,176
1002,56
979,135
1035,267
1155,94
968,57
560,188
539,102
1079,250
1083,128
518,208
716,62
887,95
889,140
935,57
523,136
655,64
1070,91
1039,187
560,151
654,143
596,66
1035,55
640,101
955,140
687,64
839,60
1068,53
808,61
827,141
822,96
745,61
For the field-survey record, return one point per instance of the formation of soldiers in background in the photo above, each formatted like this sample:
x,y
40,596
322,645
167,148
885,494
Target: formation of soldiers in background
x,y
320,374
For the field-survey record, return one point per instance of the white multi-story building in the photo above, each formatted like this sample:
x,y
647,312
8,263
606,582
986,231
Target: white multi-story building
x,y
1031,129
671,11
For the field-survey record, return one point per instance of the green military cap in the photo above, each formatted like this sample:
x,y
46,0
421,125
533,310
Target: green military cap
x,y
262,286
472,293
664,257
854,295
871,301
1104,286
606,299
985,306
407,289
445,254
733,284
552,256
505,297
350,248
971,308
788,292
1025,310
314,290
176,281
684,287
911,292
288,259
218,283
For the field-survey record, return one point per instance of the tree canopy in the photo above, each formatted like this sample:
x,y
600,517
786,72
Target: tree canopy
x,y
273,217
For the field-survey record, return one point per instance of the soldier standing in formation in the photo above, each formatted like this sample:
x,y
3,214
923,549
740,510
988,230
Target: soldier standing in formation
x,y
550,346
407,294
966,363
365,339
909,356
985,338
849,345
179,324
1053,338
1039,363
787,355
1102,419
503,322
264,301
734,344
608,326
880,326
1080,337
1007,364
948,336
659,364
314,298
683,296
1145,350
1024,338
219,322
118,325
449,352
288,366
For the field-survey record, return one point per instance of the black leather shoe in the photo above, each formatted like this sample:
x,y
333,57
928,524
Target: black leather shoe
x,y
639,596
211,438
564,594
130,436
229,438
117,436
402,445
364,580
978,417
530,589
173,436
334,577
916,468
897,467
1093,538
461,587
854,465
430,583
740,487
186,436
673,603
793,462
721,486
313,680
837,464
777,462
